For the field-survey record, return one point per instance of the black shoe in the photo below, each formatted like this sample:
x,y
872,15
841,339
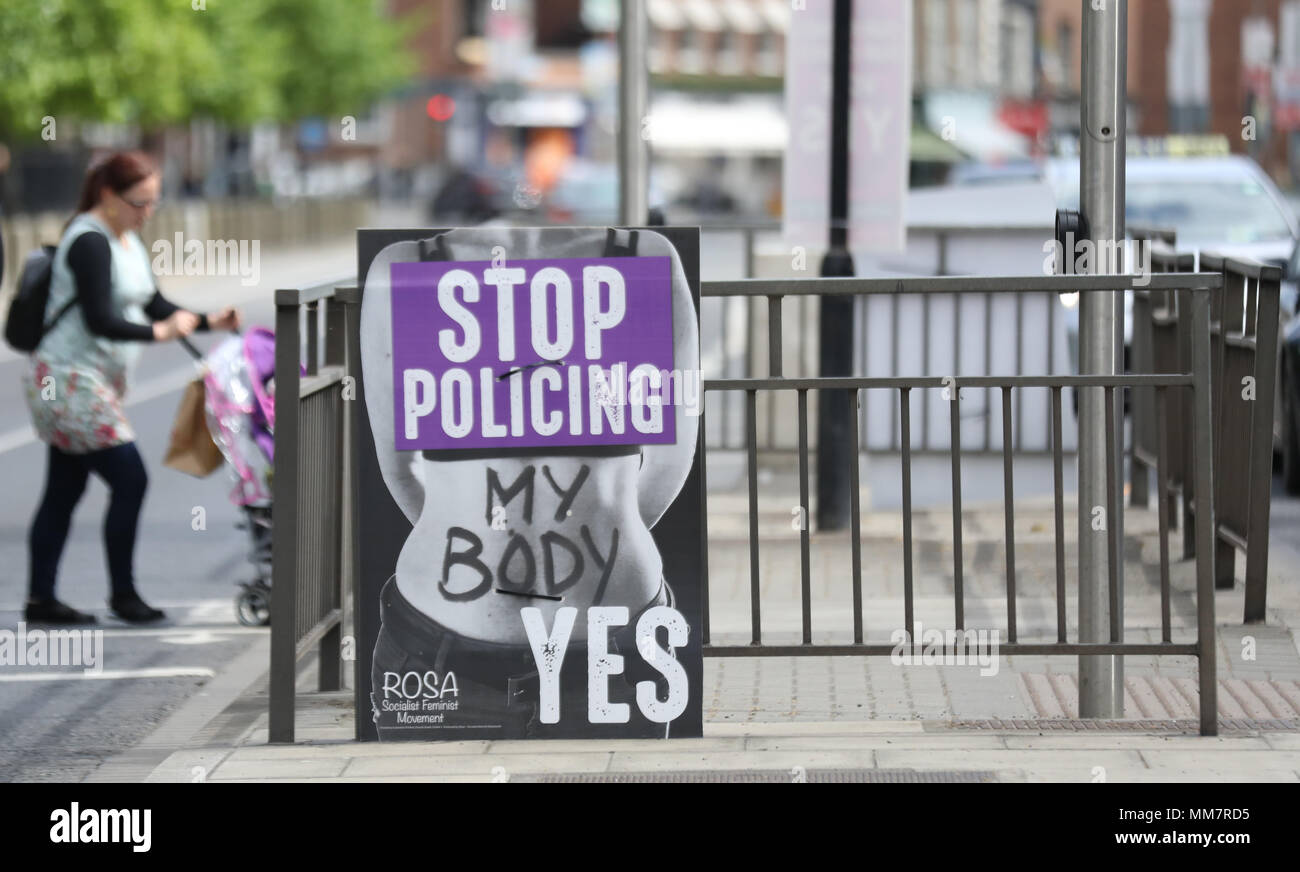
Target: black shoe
x,y
52,611
134,610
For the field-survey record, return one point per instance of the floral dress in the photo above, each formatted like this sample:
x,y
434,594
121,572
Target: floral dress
x,y
75,380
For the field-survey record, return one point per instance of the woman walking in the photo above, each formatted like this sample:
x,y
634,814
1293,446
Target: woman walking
x,y
103,305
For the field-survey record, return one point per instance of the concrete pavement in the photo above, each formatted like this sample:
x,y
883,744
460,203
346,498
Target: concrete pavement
x,y
848,718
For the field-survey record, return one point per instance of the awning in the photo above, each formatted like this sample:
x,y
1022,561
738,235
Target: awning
x,y
538,110
776,13
753,127
665,14
703,127
703,15
742,16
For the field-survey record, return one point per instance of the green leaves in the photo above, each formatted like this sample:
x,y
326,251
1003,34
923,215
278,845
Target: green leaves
x,y
344,53
157,62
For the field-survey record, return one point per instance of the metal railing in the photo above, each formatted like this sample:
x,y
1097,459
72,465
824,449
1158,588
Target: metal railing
x,y
312,537
895,335
940,245
1195,380
1244,323
1161,343
1244,326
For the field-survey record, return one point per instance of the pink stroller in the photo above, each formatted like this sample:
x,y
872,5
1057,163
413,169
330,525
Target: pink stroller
x,y
238,388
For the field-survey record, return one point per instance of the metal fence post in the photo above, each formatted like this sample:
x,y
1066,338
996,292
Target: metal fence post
x,y
1224,556
331,643
335,332
284,543
1205,533
1186,362
1234,294
349,302
1142,359
1141,417
352,421
313,336
1261,450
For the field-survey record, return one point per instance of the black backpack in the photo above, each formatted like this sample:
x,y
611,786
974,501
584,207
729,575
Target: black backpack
x,y
25,327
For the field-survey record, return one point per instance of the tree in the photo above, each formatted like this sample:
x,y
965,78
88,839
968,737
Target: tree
x,y
343,55
159,62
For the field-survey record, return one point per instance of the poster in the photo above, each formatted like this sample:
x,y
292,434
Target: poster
x,y
528,490
880,124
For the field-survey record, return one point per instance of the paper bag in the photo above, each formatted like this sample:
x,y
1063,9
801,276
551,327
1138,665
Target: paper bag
x,y
192,450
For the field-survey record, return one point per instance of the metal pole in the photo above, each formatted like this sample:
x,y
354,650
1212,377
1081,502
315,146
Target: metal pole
x,y
284,540
1203,434
1101,340
836,322
633,88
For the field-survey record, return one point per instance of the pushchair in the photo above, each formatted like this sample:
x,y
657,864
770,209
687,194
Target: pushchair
x,y
240,410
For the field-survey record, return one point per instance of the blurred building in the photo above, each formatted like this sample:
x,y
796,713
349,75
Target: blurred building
x,y
522,93
535,102
530,92
717,127
975,76
1195,66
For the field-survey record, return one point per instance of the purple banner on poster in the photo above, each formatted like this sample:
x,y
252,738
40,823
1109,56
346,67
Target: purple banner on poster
x,y
533,353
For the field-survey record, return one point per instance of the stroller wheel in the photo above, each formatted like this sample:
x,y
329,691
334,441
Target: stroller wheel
x,y
253,606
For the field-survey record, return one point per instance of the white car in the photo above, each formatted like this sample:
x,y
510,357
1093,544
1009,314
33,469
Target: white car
x,y
1224,204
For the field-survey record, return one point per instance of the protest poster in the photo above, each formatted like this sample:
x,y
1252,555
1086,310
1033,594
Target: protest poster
x,y
528,487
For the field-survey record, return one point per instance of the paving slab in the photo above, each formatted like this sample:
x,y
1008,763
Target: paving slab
x,y
815,728
974,758
1206,745
791,761
877,743
352,749
1243,760
1147,776
189,765
617,746
490,764
284,767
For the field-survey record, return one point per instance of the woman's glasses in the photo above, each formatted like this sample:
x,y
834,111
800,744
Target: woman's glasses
x,y
141,204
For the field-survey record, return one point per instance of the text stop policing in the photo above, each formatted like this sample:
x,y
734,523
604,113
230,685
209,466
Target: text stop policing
x,y
567,351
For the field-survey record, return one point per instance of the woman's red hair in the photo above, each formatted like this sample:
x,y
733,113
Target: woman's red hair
x,y
118,172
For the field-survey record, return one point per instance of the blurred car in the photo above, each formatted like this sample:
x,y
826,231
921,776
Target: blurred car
x,y
986,173
464,197
587,193
1225,204
1286,404
706,198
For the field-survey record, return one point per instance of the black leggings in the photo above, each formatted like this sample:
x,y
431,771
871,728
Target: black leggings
x,y
123,471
